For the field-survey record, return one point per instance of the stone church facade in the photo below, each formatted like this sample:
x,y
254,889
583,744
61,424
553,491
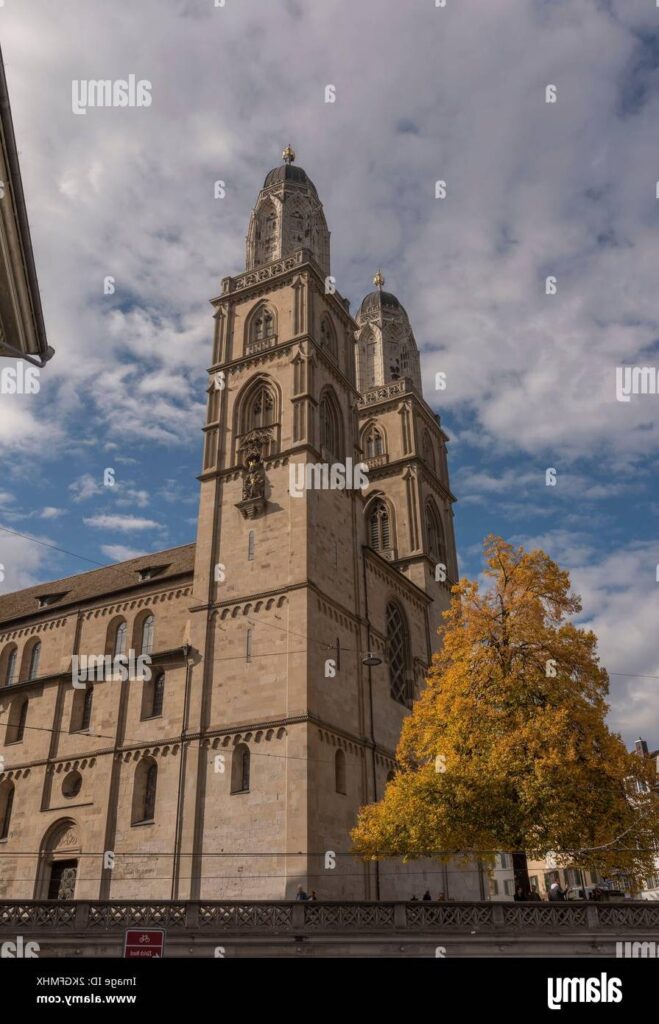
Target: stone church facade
x,y
286,645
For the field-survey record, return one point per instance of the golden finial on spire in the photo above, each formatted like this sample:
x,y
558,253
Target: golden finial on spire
x,y
378,280
288,156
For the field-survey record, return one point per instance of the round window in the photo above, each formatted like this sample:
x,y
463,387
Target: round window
x,y
72,784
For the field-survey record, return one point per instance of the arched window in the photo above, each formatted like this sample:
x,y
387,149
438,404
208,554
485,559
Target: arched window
x,y
158,695
6,805
373,443
340,772
250,546
119,645
398,655
240,769
87,708
379,527
391,775
147,635
8,665
435,534
248,645
330,424
17,719
262,326
260,410
33,670
328,338
144,791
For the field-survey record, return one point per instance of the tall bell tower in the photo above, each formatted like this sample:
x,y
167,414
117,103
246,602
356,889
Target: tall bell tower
x,y
310,632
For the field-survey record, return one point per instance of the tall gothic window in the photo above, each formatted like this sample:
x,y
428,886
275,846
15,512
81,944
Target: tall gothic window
x,y
6,805
8,665
435,534
260,410
371,350
330,430
398,655
374,443
147,635
119,646
428,453
34,661
379,527
328,338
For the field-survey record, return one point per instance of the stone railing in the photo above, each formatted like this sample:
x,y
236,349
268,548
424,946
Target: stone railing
x,y
300,918
380,392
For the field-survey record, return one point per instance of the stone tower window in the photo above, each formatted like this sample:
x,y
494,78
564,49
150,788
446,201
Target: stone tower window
x,y
260,410
250,546
435,534
248,645
379,527
328,338
428,452
153,696
371,352
330,429
261,328
6,805
340,772
240,769
374,443
398,655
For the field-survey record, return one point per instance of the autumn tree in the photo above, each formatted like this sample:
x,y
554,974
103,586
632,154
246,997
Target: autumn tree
x,y
507,747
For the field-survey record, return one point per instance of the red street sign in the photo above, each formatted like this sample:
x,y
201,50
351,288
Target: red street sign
x,y
141,944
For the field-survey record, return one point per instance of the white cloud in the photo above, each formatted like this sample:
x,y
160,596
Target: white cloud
x,y
121,523
85,487
120,553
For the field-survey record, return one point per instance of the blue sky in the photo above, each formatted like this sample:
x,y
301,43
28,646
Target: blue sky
x,y
422,94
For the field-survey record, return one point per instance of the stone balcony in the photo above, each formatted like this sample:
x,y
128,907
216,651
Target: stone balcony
x,y
283,928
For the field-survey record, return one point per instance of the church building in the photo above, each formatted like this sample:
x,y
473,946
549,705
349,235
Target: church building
x,y
286,645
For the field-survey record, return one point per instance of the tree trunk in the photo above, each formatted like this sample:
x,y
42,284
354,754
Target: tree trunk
x,y
521,873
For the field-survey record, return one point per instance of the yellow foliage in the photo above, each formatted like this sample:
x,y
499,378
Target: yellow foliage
x,y
514,707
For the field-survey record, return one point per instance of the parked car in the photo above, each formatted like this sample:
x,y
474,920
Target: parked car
x,y
594,892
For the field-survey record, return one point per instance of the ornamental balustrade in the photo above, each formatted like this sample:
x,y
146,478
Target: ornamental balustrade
x,y
312,917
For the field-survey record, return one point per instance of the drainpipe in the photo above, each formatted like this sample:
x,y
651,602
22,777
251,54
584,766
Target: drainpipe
x,y
370,711
181,773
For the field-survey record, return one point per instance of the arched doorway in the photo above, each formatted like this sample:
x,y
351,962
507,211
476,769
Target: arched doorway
x,y
59,857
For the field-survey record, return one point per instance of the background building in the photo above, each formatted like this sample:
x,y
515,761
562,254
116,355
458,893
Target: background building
x,y
287,644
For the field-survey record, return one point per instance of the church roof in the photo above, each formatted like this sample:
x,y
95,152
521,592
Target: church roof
x,y
377,300
288,172
86,586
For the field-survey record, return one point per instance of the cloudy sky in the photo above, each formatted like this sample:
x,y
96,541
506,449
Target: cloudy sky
x,y
423,93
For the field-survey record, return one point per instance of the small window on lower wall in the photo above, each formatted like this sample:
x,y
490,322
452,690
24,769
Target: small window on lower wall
x,y
144,791
153,695
240,769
